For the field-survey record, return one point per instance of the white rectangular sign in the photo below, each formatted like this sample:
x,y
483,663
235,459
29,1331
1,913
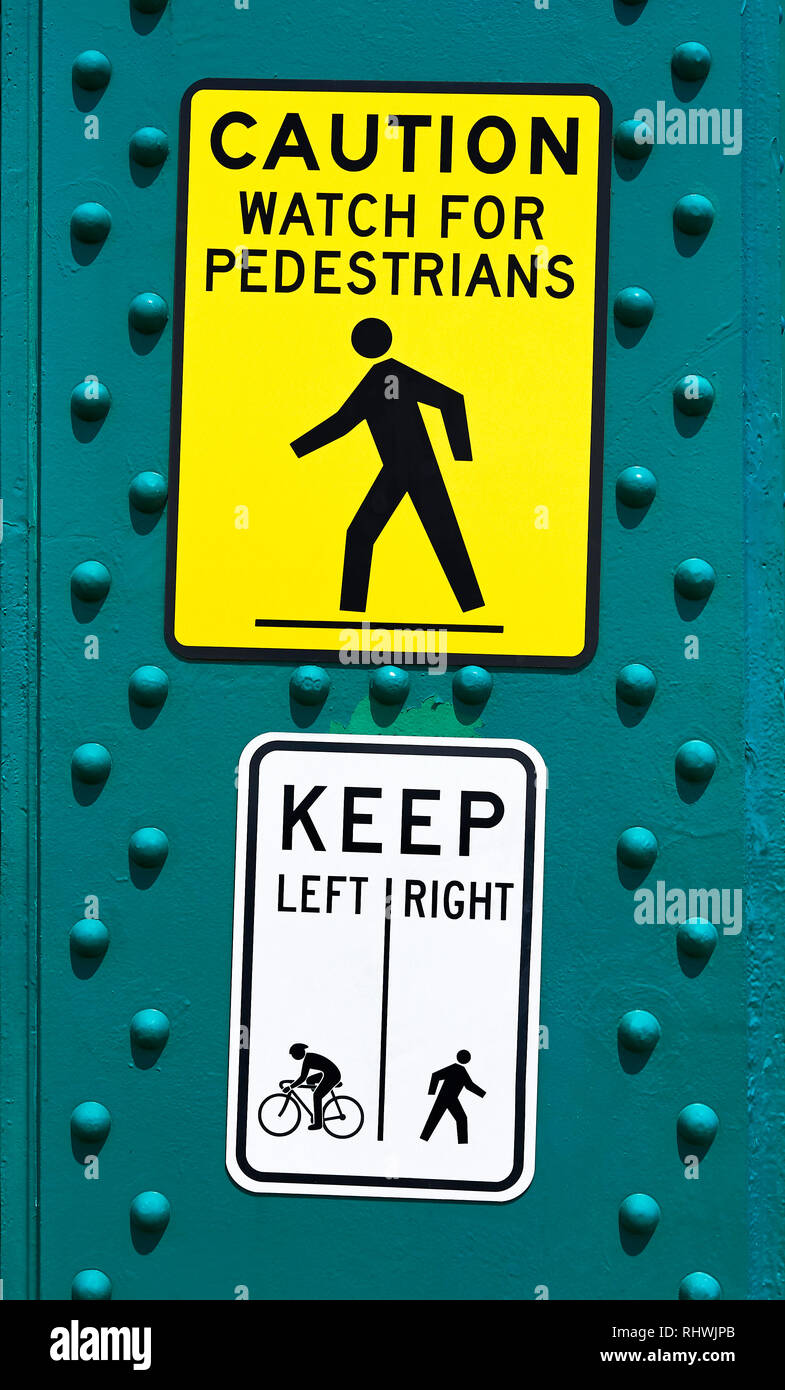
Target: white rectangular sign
x,y
386,965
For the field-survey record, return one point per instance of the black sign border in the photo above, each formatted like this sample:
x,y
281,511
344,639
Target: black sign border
x,y
488,659
385,1185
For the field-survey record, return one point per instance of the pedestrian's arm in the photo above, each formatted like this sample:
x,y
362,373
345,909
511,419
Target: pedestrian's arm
x,y
470,1086
334,427
453,408
435,1079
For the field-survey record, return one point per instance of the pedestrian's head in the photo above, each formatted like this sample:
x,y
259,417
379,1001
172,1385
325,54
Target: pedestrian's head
x,y
371,337
464,1056
298,1051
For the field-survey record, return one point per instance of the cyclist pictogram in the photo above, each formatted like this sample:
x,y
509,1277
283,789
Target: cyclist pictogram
x,y
280,1113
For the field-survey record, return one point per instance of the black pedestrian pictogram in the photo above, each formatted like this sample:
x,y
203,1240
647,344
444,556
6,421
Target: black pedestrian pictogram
x,y
454,1079
340,1116
389,398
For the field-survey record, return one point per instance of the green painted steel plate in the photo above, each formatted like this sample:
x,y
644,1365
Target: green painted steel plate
x,y
691,589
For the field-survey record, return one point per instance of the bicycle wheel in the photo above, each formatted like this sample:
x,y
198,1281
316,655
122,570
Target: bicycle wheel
x,y
279,1115
342,1117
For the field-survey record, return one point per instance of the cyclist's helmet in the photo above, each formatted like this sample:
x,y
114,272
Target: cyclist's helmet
x,y
298,1051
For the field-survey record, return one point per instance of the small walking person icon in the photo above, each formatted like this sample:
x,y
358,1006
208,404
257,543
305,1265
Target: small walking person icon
x,y
454,1079
389,399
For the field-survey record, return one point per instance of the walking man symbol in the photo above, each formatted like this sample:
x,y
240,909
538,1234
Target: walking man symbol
x,y
454,1079
389,398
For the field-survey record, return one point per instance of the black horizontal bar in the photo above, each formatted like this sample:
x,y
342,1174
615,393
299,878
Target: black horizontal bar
x,y
392,627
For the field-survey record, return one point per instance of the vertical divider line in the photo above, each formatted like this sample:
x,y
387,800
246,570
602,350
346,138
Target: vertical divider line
x,y
385,996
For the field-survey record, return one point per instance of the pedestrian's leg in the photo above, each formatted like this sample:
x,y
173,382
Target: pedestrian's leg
x,y
434,508
372,516
461,1123
439,1107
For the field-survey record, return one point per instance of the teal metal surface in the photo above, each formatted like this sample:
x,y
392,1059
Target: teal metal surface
x,y
19,670
139,836
765,650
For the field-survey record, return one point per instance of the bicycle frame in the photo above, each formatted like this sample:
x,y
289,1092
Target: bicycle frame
x,y
299,1100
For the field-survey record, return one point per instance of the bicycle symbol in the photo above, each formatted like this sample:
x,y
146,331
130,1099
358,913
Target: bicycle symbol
x,y
280,1113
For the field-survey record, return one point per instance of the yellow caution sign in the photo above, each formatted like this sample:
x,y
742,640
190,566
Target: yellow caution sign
x,y
388,381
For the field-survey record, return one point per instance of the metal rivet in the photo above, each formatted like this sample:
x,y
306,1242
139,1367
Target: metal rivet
x,y
696,761
639,1214
91,70
150,1211
694,578
636,684
637,847
148,847
149,1029
91,763
90,1122
472,684
639,1031
691,61
633,306
390,685
700,1286
697,938
148,686
91,222
693,395
89,938
148,312
91,1285
633,139
90,581
636,486
309,685
693,214
148,492
90,400
149,146
697,1125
